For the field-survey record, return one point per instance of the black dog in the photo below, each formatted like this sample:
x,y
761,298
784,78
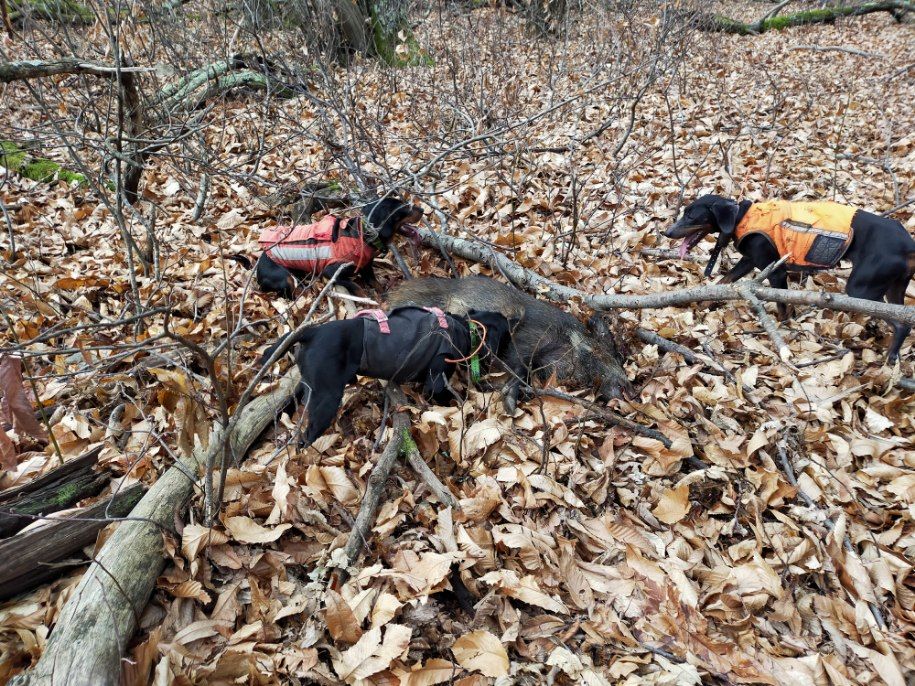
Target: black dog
x,y
406,344
814,236
323,247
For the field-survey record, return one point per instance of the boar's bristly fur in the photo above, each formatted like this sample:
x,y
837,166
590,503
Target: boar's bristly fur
x,y
545,340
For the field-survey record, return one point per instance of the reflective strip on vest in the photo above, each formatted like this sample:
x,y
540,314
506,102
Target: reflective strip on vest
x,y
379,316
311,248
813,234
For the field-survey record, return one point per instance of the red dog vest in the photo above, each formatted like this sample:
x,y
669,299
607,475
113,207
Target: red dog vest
x,y
310,248
814,234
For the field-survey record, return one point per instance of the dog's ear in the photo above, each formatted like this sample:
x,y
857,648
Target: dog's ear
x,y
725,214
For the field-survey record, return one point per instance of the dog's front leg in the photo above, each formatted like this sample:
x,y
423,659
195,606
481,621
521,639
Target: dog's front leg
x,y
743,267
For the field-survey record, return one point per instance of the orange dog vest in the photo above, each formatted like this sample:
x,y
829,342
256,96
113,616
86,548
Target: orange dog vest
x,y
310,248
814,234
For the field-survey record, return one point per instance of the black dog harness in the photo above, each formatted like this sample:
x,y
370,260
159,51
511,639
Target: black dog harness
x,y
400,345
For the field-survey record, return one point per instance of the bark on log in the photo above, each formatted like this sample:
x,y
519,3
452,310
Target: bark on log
x,y
94,626
826,15
55,491
27,560
535,283
55,475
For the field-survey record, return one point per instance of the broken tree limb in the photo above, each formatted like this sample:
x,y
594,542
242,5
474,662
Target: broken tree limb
x,y
525,278
58,475
400,434
31,558
101,615
608,416
427,476
826,15
58,494
768,324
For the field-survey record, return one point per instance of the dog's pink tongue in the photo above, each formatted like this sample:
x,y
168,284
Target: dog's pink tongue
x,y
410,232
684,247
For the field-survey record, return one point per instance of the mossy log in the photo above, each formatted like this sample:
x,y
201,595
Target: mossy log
x,y
22,162
58,489
32,558
61,11
825,15
101,614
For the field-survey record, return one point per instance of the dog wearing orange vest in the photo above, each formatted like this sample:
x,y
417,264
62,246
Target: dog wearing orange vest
x,y
814,236
321,248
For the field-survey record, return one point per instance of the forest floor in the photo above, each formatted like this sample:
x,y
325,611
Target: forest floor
x,y
612,560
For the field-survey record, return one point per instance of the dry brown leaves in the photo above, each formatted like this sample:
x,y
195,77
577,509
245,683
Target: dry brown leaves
x,y
612,561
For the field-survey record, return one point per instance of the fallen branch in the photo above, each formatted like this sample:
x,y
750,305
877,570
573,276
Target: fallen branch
x,y
57,490
525,278
29,559
400,435
101,615
825,15
835,48
608,416
427,476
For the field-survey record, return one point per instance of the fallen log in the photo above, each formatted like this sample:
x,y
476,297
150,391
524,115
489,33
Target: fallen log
x,y
61,473
826,15
57,490
101,615
29,559
525,278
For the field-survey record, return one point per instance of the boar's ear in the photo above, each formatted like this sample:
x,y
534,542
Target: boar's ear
x,y
599,324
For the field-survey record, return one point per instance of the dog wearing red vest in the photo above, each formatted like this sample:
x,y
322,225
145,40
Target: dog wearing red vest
x,y
405,344
321,248
814,235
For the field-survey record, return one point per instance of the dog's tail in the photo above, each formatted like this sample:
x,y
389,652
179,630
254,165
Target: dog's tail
x,y
304,337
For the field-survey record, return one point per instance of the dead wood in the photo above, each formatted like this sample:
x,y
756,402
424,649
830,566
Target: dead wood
x,y
95,625
55,491
824,15
31,558
427,476
400,436
58,475
607,416
525,278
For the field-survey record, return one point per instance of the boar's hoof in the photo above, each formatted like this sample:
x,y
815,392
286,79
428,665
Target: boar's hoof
x,y
510,397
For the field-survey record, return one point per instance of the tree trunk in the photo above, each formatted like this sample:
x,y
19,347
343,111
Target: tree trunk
x,y
28,560
57,490
826,15
101,615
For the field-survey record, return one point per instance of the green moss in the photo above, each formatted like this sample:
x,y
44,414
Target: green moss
x,y
20,161
66,495
56,10
385,42
408,445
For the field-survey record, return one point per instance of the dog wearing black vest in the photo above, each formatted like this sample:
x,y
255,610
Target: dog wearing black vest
x,y
405,344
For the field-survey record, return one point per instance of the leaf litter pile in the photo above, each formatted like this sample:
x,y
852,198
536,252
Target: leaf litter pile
x,y
593,557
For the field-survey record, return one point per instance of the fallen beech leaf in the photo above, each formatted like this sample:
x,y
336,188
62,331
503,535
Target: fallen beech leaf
x,y
195,537
341,622
246,530
673,505
435,671
480,651
15,407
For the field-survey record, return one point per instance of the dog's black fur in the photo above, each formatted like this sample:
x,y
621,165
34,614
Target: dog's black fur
x,y
330,356
386,217
882,253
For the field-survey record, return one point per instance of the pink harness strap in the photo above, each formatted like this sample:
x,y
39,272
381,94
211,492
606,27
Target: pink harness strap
x,y
379,316
442,321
